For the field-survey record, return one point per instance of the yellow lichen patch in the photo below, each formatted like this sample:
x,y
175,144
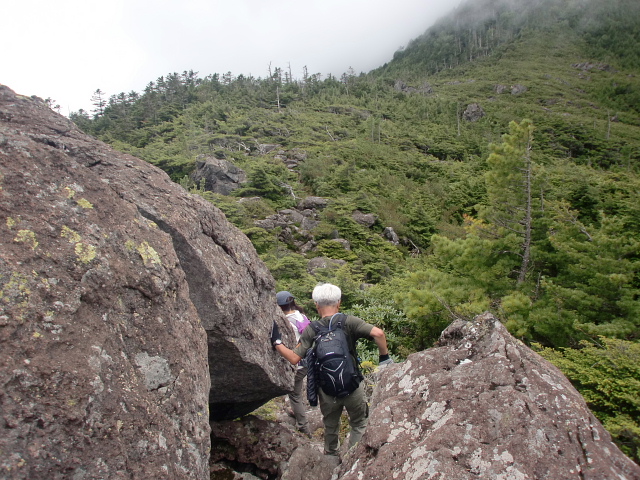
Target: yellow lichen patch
x,y
85,252
17,286
70,192
73,236
36,335
148,254
130,245
15,295
28,237
11,222
71,402
84,203
45,283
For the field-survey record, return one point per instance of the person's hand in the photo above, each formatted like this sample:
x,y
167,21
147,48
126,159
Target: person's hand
x,y
275,335
384,360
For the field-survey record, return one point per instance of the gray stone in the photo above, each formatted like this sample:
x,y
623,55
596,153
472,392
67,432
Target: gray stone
x,y
264,148
250,200
294,215
365,219
155,370
315,203
309,463
390,234
308,247
309,223
274,221
401,86
518,89
344,242
473,113
220,176
323,262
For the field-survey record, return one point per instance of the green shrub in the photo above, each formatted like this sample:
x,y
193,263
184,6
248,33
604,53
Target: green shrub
x,y
608,377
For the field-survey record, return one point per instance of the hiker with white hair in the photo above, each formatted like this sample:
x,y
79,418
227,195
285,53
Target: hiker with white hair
x,y
343,390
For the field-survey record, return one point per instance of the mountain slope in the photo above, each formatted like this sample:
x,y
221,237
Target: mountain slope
x,y
397,142
536,220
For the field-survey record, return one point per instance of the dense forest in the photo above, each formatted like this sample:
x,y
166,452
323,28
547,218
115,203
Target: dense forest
x,y
502,147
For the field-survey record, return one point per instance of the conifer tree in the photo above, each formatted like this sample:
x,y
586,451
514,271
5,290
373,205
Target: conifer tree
x,y
99,102
509,189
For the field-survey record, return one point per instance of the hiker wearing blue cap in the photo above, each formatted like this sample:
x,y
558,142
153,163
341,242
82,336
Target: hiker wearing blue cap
x,y
299,322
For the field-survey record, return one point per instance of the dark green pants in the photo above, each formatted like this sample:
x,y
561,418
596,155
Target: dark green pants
x,y
296,398
331,408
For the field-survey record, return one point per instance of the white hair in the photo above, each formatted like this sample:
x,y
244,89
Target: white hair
x,y
326,294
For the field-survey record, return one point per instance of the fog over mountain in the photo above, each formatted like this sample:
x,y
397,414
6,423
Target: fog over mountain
x,y
122,46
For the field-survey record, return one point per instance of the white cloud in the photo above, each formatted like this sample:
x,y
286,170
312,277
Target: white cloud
x,y
67,49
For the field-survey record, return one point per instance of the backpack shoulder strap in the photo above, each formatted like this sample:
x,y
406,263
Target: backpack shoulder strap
x,y
340,320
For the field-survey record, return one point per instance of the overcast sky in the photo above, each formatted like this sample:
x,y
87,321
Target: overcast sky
x,y
66,49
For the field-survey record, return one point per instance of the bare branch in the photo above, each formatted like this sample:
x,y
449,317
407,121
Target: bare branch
x,y
329,133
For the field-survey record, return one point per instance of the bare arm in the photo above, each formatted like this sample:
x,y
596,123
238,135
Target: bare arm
x,y
288,354
380,339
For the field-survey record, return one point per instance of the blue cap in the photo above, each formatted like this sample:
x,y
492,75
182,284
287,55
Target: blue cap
x,y
284,298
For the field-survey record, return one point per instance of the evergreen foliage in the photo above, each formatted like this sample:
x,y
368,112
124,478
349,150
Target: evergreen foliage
x,y
607,374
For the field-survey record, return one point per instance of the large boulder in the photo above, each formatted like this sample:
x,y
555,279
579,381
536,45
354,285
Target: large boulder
x,y
473,112
129,309
364,219
313,203
219,176
482,405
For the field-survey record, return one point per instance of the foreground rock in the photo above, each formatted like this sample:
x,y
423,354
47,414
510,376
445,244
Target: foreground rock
x,y
128,309
482,405
270,449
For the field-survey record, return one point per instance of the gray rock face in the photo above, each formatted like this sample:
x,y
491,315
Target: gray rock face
x,y
401,86
590,66
323,262
313,203
127,306
390,234
473,112
219,175
482,405
365,219
291,158
518,89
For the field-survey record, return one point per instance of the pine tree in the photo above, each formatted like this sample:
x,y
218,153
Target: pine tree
x,y
509,188
99,102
